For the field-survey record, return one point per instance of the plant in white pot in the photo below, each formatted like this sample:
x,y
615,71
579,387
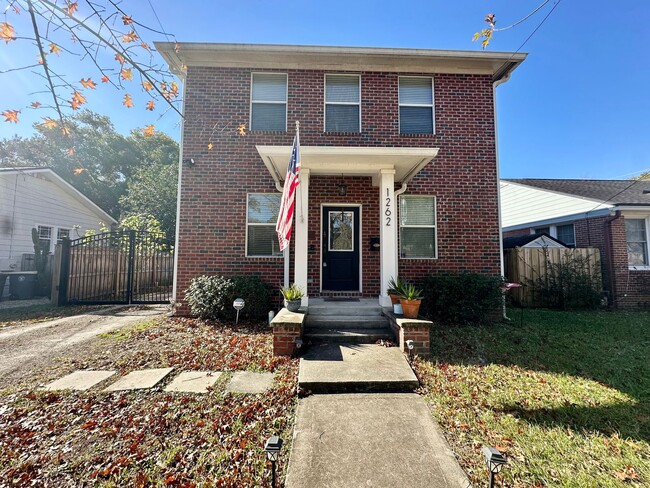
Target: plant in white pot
x,y
292,297
395,289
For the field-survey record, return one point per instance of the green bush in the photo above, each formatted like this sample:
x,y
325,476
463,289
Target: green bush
x,y
462,298
211,297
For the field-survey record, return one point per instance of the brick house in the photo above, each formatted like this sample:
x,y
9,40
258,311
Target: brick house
x,y
612,215
399,163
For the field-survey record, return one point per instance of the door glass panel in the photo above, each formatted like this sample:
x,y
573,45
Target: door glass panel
x,y
341,231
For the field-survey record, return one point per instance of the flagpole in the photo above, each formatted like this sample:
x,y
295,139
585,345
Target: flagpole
x,y
302,217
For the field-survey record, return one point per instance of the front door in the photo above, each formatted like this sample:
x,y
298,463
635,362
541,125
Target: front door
x,y
340,248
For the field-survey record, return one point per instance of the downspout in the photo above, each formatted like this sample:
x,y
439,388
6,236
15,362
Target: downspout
x,y
609,246
395,195
496,153
179,188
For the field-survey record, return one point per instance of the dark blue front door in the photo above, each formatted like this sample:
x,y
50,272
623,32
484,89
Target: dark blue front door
x,y
340,248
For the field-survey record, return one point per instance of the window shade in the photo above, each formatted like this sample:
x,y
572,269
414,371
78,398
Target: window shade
x,y
415,91
418,242
417,210
269,87
269,116
342,118
416,120
262,241
342,89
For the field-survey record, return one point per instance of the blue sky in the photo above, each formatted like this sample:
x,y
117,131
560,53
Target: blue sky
x,y
578,107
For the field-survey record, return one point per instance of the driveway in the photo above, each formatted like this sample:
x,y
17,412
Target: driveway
x,y
31,347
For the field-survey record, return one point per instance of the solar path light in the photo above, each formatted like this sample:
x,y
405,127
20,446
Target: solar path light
x,y
272,450
238,304
494,461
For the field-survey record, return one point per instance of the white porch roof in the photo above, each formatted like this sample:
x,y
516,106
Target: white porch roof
x,y
353,161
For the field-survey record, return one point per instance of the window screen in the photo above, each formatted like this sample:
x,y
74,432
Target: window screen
x,y
418,227
342,103
416,105
269,102
262,215
637,242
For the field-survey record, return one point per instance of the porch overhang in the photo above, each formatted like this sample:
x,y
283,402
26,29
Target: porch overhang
x,y
353,161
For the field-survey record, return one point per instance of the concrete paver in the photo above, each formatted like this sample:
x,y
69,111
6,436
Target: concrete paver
x,y
370,439
194,381
356,367
248,382
138,380
80,380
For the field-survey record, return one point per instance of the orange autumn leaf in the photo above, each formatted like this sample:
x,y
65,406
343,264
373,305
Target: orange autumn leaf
x,y
130,37
126,73
242,129
54,49
128,101
16,9
127,19
105,79
72,151
40,60
88,83
147,85
119,58
7,32
144,45
210,146
49,123
177,47
149,131
36,104
78,171
11,115
72,8
151,105
77,100
65,130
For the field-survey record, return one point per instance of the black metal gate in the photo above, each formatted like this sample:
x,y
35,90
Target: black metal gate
x,y
120,267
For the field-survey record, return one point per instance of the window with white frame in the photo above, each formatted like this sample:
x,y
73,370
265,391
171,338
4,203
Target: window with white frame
x,y
417,215
342,103
269,102
416,105
566,233
261,217
62,234
45,237
637,242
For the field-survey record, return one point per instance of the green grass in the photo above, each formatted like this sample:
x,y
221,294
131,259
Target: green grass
x,y
566,395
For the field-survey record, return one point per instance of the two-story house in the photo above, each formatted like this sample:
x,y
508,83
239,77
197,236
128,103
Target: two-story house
x,y
398,163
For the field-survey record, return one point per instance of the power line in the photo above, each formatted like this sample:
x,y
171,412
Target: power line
x,y
540,25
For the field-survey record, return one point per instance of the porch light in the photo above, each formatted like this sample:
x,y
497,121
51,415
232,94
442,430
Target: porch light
x,y
494,461
272,450
343,189
188,162
238,304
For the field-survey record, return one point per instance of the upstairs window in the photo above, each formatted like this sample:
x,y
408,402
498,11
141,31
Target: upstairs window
x,y
415,105
261,217
417,220
342,103
637,242
269,102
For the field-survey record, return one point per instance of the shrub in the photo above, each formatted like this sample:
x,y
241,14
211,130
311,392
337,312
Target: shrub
x,y
211,297
567,284
462,298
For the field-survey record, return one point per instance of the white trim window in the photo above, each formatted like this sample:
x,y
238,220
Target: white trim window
x,y
261,216
416,115
269,102
45,236
417,225
342,103
62,234
636,234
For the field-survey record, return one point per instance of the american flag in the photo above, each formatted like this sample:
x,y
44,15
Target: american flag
x,y
285,216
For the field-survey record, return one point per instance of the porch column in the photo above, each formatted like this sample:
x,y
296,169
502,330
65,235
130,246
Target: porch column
x,y
301,236
387,234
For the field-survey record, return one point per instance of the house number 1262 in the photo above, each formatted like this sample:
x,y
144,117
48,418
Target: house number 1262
x,y
387,211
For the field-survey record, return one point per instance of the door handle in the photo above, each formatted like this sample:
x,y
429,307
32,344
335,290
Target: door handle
x,y
324,264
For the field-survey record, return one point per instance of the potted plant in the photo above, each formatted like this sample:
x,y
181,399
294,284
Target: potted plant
x,y
410,299
292,297
395,287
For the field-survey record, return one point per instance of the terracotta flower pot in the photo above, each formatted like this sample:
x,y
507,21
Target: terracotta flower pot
x,y
410,308
394,299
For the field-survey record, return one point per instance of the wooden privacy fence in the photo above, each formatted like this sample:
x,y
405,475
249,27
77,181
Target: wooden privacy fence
x,y
529,265
114,267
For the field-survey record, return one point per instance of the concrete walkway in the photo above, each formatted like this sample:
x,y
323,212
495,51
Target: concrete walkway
x,y
366,439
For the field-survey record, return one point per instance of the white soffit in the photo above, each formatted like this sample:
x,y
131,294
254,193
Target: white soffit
x,y
353,161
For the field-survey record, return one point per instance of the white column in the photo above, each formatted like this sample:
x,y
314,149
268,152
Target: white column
x,y
387,234
301,236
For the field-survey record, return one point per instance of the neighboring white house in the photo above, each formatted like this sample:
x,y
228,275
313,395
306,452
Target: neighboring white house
x,y
39,198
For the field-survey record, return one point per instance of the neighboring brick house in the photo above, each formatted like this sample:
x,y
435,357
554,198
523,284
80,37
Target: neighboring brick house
x,y
612,215
399,164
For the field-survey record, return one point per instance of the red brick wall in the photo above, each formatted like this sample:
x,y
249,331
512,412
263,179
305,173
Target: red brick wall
x,y
213,192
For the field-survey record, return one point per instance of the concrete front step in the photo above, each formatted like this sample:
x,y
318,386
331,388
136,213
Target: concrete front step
x,y
348,321
347,335
354,309
347,368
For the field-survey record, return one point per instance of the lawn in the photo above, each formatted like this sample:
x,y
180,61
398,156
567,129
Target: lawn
x,y
151,438
566,395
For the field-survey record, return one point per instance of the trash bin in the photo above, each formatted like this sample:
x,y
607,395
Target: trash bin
x,y
21,285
